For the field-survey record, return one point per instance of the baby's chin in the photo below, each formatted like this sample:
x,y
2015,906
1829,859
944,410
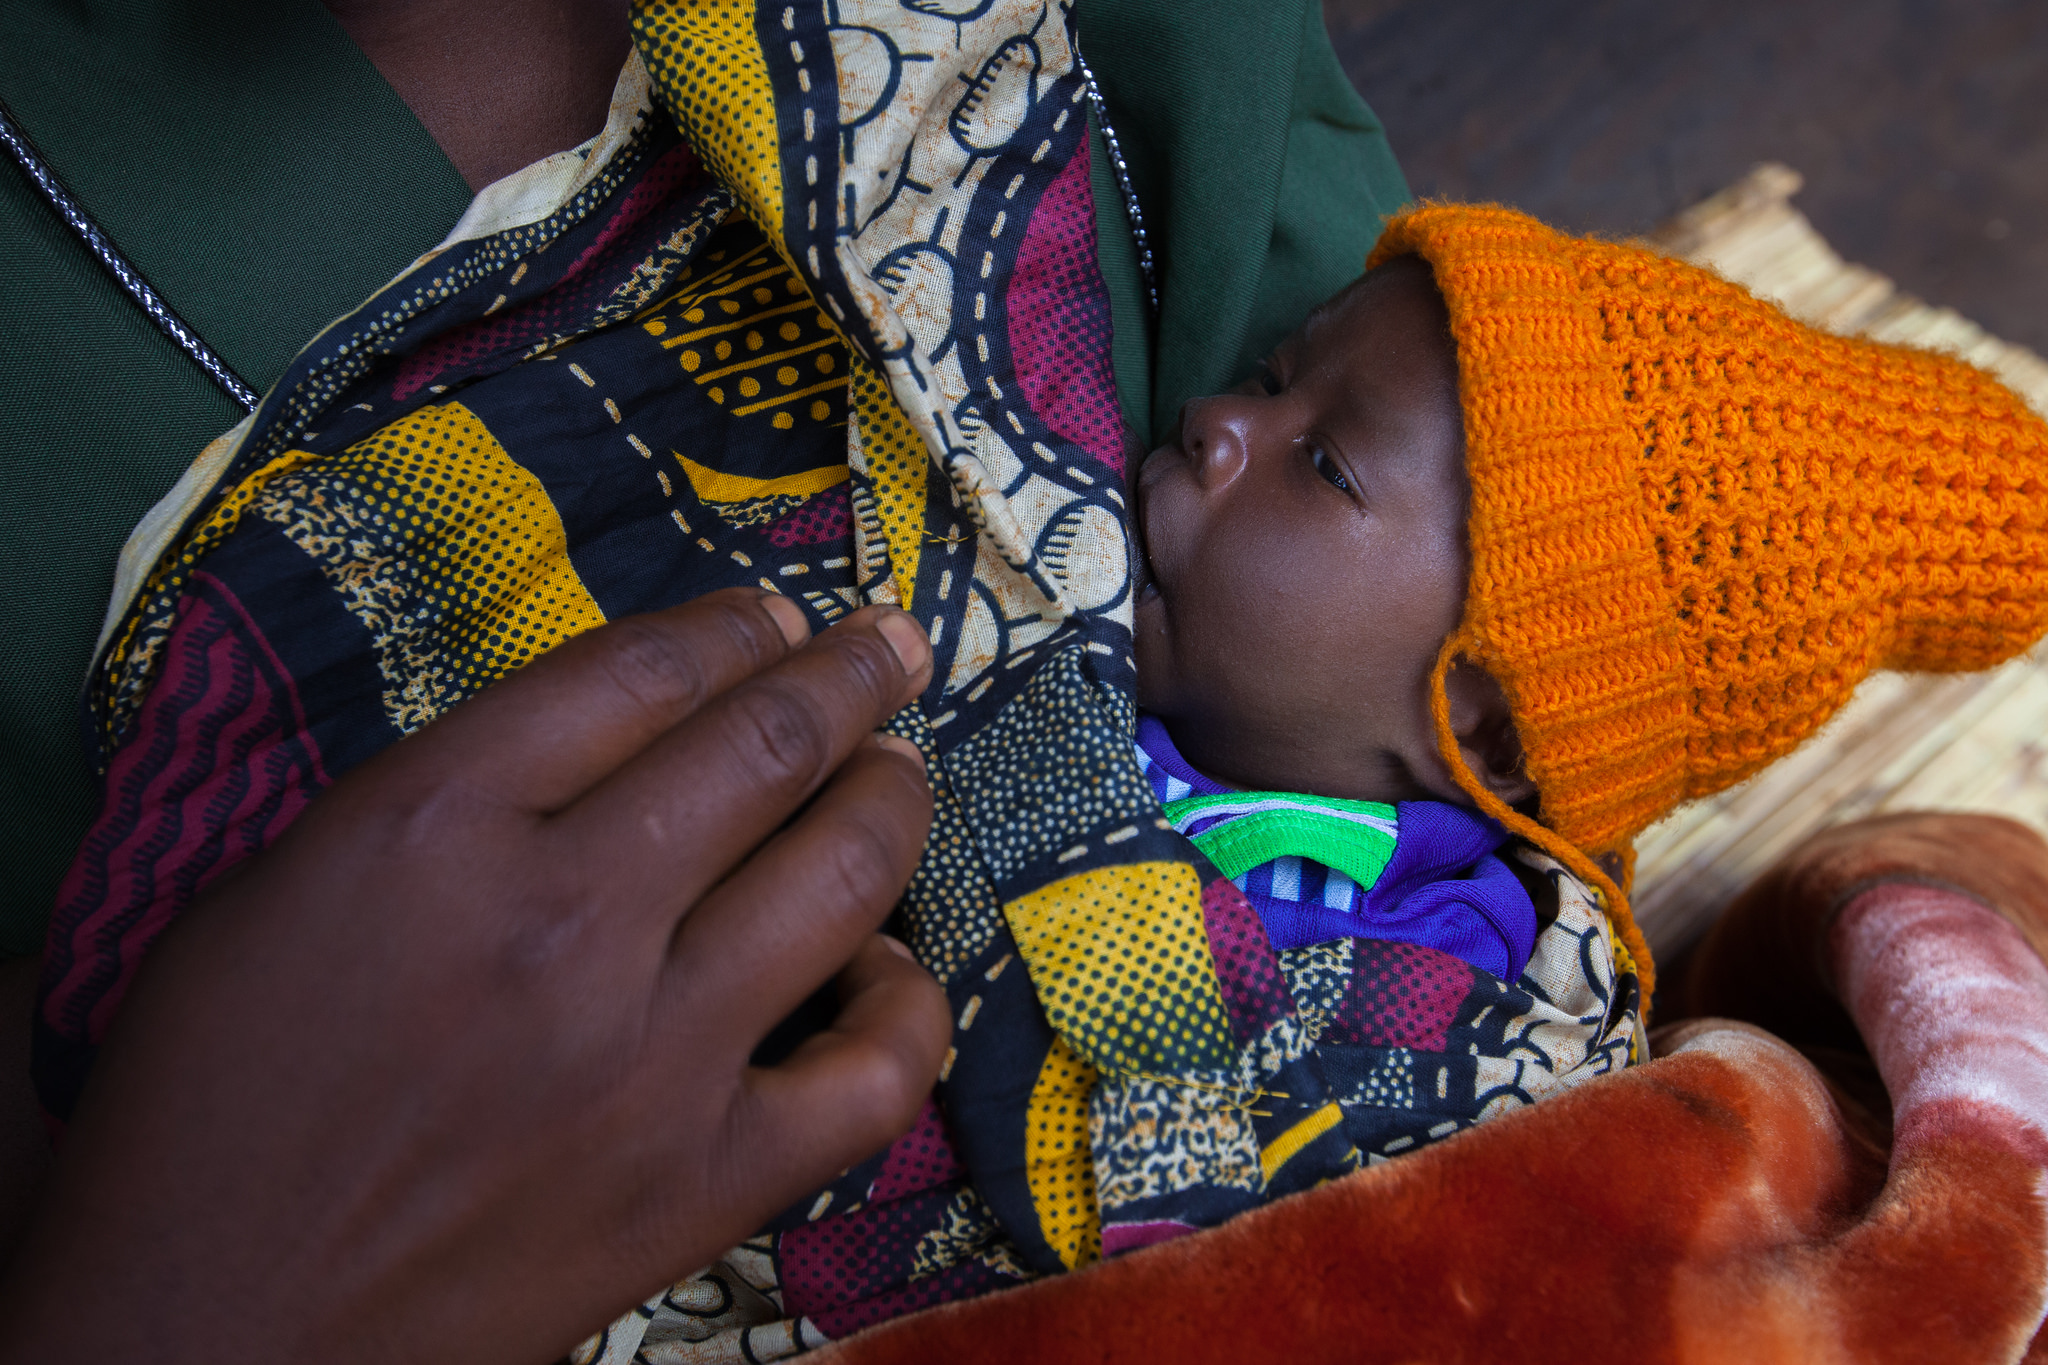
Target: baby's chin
x,y
1248,754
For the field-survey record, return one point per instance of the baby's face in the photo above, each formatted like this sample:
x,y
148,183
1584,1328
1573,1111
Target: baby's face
x,y
1305,541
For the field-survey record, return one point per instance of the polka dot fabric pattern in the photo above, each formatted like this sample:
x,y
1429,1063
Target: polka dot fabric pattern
x,y
1253,990
1400,995
644,220
448,551
319,404
742,328
1048,775
706,62
825,518
950,910
1123,968
891,461
922,1238
921,1159
838,1262
1059,320
1058,1159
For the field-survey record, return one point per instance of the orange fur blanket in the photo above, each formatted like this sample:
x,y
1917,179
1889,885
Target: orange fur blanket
x,y
1863,1183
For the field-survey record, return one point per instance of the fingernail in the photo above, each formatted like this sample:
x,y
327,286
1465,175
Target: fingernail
x,y
896,744
913,651
897,946
789,618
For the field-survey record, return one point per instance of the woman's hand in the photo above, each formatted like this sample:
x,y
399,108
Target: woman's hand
x,y
458,1069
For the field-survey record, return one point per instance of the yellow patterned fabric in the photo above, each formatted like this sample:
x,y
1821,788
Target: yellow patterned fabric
x,y
882,445
432,507
1124,955
706,60
1059,1161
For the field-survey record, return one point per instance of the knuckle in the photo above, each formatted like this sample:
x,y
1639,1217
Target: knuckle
x,y
649,668
892,1088
863,862
778,733
549,926
419,817
545,953
745,624
868,666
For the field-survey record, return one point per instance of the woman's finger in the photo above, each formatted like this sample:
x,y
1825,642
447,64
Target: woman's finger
x,y
559,726
811,896
852,1089
675,819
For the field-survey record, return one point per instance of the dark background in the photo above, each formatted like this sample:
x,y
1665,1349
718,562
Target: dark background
x,y
1921,126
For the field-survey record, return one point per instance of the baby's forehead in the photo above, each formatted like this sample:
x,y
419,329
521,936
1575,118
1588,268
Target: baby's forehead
x,y
1398,301
1392,316
1336,310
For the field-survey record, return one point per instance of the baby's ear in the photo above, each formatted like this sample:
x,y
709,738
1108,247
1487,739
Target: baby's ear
x,y
1485,728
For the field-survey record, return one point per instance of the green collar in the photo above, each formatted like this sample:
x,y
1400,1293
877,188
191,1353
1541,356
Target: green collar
x,y
1355,837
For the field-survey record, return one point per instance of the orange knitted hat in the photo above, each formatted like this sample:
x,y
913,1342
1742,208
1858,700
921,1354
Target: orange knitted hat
x,y
1697,524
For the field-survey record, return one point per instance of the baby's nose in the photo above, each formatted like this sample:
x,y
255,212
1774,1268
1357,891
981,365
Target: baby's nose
x,y
1215,434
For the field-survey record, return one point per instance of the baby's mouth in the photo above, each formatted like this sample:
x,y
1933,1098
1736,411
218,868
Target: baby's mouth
x,y
1145,582
1141,564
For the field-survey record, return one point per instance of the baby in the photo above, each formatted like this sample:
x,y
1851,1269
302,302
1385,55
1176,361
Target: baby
x,y
1619,533
1380,964
1517,542
1319,507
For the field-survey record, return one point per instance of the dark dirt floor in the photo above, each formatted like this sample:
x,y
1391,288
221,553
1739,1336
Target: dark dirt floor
x,y
1921,126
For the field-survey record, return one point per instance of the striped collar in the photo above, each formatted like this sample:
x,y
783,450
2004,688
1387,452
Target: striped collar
x,y
1318,868
1239,831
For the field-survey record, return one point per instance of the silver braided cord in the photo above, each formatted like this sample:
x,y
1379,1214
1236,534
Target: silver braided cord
x,y
1123,181
45,180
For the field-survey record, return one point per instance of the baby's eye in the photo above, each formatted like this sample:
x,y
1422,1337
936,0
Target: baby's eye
x,y
1327,467
1269,381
